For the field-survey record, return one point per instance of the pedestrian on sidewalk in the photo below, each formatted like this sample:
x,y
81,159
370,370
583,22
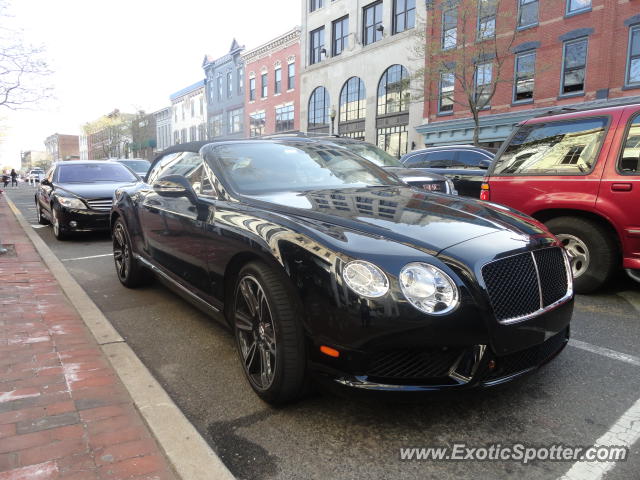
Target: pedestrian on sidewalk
x,y
14,177
5,179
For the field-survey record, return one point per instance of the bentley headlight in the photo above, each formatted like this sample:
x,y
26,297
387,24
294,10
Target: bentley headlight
x,y
428,288
365,279
72,203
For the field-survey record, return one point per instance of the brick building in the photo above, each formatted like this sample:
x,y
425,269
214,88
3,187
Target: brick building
x,y
109,136
271,96
557,53
62,147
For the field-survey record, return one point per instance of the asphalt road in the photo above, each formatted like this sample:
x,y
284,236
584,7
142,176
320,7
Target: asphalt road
x,y
572,401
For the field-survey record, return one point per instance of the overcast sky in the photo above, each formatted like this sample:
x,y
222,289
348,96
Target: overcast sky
x,y
128,54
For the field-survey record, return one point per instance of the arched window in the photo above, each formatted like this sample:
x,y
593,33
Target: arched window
x,y
318,114
393,90
352,100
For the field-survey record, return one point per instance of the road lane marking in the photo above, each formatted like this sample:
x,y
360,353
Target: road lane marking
x,y
606,352
38,226
624,433
86,258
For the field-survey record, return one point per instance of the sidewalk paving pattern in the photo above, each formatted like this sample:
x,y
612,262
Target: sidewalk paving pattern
x,y
64,414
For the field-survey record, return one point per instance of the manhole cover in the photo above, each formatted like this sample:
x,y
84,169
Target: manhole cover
x,y
10,250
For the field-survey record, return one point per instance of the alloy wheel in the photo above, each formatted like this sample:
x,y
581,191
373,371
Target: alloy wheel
x,y
56,224
578,253
121,251
255,332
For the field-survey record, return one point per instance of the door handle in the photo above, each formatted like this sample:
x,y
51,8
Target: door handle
x,y
621,187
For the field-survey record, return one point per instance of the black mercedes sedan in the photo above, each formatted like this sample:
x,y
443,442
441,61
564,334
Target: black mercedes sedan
x,y
76,196
329,268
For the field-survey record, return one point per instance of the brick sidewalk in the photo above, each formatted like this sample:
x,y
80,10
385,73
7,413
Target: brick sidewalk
x,y
63,412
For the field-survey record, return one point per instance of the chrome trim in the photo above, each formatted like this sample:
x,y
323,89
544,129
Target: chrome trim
x,y
478,353
500,380
535,265
361,382
540,311
155,269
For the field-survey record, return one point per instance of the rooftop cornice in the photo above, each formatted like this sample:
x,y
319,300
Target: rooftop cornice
x,y
283,41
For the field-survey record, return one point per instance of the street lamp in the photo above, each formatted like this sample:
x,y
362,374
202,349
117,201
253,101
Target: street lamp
x,y
332,114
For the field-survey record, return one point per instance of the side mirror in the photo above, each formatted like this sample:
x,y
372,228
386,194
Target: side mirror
x,y
175,186
45,182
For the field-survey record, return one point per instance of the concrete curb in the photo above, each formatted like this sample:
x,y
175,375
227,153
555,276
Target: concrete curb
x,y
189,454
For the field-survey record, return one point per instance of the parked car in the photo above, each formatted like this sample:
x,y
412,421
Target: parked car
x,y
464,165
417,177
139,166
35,175
579,173
327,267
76,196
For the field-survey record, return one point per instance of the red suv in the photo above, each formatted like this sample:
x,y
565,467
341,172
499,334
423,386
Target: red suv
x,y
579,173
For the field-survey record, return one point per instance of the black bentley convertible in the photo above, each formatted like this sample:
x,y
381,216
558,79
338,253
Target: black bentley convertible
x,y
327,267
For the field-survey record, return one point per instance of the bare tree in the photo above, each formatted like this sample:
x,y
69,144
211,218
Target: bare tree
x,y
22,67
466,46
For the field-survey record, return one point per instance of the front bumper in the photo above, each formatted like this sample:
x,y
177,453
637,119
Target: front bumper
x,y
82,220
473,367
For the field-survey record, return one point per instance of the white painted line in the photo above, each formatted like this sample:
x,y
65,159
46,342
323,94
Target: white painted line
x,y
606,352
624,433
38,226
86,258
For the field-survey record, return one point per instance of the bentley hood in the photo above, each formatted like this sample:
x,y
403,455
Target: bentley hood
x,y
428,221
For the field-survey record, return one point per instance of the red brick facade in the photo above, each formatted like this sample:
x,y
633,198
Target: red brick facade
x,y
606,24
261,111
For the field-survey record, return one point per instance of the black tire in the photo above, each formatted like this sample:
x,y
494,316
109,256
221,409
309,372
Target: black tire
x,y
280,321
58,232
601,251
41,220
130,273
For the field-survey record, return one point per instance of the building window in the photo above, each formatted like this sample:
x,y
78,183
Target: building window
x,y
315,5
393,90
449,28
252,89
486,19
240,78
372,19
219,87
193,134
340,35
316,45
633,68
277,85
576,6
175,114
404,15
182,109
202,131
447,86
264,85
291,76
216,123
234,120
284,118
318,115
183,136
229,84
483,80
192,107
353,100
527,13
394,140
525,69
176,137
201,105
256,124
574,66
